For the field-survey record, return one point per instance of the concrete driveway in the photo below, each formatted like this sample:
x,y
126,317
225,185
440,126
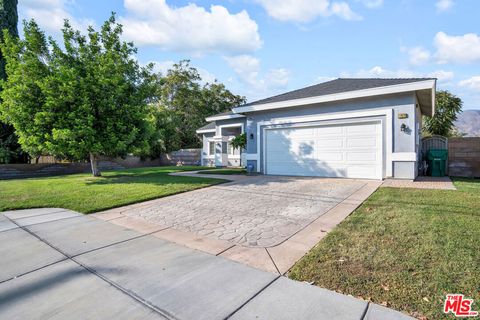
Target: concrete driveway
x,y
58,264
261,211
267,222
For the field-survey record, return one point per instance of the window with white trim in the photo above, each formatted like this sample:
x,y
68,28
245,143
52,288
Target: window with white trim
x,y
232,151
211,148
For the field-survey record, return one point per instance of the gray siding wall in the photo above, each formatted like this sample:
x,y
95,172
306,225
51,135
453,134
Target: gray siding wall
x,y
404,170
405,141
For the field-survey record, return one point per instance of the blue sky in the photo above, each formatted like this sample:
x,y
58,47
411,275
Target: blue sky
x,y
263,47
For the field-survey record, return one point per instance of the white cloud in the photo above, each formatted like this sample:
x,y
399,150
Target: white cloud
x,y
50,15
444,5
372,4
307,10
441,75
343,10
418,55
248,70
471,83
246,67
277,78
457,49
324,79
379,72
190,28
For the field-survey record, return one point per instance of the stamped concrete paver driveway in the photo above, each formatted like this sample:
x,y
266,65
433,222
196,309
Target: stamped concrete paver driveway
x,y
258,211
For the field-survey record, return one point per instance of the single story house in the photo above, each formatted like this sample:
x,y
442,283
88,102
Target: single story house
x,y
352,128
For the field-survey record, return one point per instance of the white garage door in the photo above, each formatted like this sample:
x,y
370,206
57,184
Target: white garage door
x,y
347,150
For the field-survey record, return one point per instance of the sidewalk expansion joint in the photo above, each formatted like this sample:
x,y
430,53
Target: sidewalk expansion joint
x,y
113,284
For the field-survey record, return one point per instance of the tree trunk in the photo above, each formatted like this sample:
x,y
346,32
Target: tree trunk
x,y
94,164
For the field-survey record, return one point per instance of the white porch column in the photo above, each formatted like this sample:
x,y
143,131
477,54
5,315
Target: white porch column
x,y
221,158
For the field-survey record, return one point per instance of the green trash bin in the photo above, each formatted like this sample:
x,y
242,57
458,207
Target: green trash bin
x,y
437,159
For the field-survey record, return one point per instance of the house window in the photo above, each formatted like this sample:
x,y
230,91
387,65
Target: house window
x,y
231,150
211,147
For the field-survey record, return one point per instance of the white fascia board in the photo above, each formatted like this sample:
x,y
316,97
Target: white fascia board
x,y
206,131
406,87
225,117
434,94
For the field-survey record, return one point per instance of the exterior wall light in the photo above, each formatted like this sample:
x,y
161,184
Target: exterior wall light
x,y
251,136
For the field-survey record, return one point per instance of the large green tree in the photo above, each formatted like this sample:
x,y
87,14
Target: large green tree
x,y
83,100
10,149
447,107
184,101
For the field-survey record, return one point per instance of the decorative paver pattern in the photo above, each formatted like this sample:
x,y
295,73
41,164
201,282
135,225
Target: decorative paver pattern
x,y
442,183
260,211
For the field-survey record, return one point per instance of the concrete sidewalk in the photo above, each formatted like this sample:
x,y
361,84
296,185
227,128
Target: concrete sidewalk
x,y
59,264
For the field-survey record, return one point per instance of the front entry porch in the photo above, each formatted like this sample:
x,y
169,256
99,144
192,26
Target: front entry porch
x,y
220,151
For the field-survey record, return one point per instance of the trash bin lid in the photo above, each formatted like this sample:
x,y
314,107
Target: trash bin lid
x,y
437,154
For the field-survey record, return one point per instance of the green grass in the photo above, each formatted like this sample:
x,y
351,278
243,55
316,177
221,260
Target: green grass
x,y
225,171
85,193
404,248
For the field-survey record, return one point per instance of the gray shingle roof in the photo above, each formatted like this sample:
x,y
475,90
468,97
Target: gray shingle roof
x,y
339,85
226,113
208,126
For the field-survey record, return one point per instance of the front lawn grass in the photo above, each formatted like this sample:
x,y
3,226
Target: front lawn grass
x,y
227,171
404,248
85,193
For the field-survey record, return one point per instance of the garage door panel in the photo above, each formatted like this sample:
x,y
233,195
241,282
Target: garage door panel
x,y
306,170
362,142
333,143
361,171
352,151
361,156
363,129
329,130
330,156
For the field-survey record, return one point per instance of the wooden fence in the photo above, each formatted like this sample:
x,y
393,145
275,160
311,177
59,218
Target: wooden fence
x,y
50,166
464,157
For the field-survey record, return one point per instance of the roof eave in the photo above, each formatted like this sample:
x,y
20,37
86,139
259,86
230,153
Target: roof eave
x,y
205,130
224,117
398,88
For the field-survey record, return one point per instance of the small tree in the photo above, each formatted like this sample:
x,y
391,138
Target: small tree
x,y
239,142
447,107
86,100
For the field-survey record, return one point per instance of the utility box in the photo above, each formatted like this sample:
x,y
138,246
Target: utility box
x,y
437,159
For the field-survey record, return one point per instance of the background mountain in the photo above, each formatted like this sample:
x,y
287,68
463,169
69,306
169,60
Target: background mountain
x,y
469,122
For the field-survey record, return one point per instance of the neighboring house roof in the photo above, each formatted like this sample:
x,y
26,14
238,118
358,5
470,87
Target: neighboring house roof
x,y
336,86
209,127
